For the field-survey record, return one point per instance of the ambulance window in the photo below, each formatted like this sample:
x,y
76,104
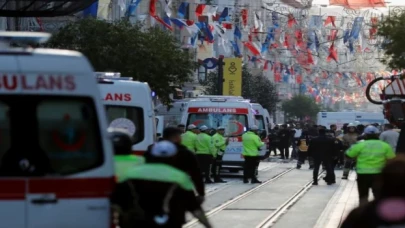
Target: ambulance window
x,y
260,121
235,124
68,133
129,118
4,129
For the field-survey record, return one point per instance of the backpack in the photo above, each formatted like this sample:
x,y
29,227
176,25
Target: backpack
x,y
303,145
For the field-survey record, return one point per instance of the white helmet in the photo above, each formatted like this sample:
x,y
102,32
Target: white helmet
x,y
351,125
371,130
357,123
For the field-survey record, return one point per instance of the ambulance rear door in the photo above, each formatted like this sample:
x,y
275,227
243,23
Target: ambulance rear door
x,y
59,142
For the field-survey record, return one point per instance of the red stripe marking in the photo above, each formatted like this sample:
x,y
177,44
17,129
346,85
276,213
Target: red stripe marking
x,y
235,139
218,110
73,188
138,152
12,189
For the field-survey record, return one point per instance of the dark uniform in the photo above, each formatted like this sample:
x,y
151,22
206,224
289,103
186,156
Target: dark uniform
x,y
285,142
323,150
274,141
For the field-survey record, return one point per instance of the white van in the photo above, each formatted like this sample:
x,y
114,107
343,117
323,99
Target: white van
x,y
339,118
56,159
236,115
172,113
129,105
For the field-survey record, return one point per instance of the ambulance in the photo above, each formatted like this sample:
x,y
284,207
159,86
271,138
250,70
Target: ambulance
x,y
262,122
340,118
129,106
235,114
56,157
172,113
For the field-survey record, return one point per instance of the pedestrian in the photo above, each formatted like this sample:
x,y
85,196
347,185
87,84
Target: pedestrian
x,y
189,138
302,145
390,136
251,146
182,127
348,140
274,140
285,141
185,159
388,210
220,143
204,152
323,150
371,155
296,134
156,194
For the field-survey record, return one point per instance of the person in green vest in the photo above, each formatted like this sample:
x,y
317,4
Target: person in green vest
x,y
189,138
251,146
204,152
371,155
220,143
156,194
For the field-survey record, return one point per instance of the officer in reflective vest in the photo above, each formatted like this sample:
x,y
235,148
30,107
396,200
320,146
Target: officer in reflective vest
x,y
371,155
156,194
220,143
189,138
251,146
205,152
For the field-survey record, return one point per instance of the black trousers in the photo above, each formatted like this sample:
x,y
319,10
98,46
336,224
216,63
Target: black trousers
x,y
274,149
205,161
347,166
216,166
330,172
364,183
301,157
250,166
284,150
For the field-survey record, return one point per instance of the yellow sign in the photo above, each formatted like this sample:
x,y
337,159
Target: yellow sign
x,y
232,77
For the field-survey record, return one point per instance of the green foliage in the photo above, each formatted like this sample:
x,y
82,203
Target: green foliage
x,y
392,28
258,89
300,106
149,55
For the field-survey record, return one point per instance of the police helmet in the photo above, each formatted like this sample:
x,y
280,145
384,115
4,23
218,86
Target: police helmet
x,y
371,130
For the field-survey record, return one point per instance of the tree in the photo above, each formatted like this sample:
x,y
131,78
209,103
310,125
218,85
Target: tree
x,y
300,106
258,89
149,55
392,29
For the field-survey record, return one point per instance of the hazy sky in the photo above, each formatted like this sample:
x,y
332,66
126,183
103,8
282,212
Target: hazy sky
x,y
389,2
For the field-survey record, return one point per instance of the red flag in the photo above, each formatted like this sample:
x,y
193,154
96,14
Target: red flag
x,y
298,36
244,13
251,48
330,20
310,59
333,34
277,77
266,65
299,79
291,20
152,12
199,10
332,53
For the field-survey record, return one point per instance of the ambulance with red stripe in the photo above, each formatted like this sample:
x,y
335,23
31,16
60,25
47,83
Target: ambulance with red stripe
x,y
129,106
56,159
235,114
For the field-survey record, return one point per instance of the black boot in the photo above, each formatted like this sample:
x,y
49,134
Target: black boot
x,y
219,180
245,181
256,181
208,181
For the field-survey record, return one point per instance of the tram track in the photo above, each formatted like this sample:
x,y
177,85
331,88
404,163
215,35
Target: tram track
x,y
239,197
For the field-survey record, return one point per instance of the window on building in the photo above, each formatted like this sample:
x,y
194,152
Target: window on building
x,y
202,73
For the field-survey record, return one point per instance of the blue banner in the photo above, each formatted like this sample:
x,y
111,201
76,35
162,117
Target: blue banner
x,y
358,21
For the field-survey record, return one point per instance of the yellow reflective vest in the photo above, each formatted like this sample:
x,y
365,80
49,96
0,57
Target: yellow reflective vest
x,y
204,144
251,144
219,144
189,140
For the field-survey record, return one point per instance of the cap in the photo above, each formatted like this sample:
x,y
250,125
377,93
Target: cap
x,y
254,128
221,128
191,127
351,125
164,149
356,123
370,130
203,128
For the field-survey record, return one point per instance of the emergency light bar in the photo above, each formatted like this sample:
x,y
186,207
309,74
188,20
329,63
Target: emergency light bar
x,y
219,96
22,38
108,75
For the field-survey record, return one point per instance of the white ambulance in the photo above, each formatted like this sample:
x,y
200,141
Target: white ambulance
x,y
235,114
56,159
172,113
261,121
129,106
340,118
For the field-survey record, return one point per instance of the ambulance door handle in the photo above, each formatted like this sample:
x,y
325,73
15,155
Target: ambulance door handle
x,y
44,201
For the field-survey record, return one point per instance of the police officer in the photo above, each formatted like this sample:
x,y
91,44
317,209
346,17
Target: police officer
x,y
371,155
348,140
251,146
220,143
189,138
166,205
204,152
182,127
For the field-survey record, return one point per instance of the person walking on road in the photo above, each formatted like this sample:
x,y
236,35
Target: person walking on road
x,y
323,150
156,194
388,209
390,136
302,145
285,141
274,140
371,155
348,140
189,138
220,143
205,151
251,146
185,160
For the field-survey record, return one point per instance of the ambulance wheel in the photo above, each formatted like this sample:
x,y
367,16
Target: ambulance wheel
x,y
234,170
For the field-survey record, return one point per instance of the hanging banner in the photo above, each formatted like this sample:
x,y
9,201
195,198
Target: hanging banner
x,y
232,77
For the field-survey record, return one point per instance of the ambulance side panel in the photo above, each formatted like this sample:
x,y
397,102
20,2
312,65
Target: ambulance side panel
x,y
338,118
77,200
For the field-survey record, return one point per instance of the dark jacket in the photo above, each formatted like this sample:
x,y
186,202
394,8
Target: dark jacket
x,y
274,139
285,137
368,216
186,161
322,148
148,199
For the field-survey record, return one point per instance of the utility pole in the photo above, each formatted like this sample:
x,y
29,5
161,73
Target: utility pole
x,y
220,74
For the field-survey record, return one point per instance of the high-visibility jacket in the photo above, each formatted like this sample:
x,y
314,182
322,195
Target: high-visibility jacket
x,y
189,140
251,144
203,144
219,144
371,155
125,162
159,172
